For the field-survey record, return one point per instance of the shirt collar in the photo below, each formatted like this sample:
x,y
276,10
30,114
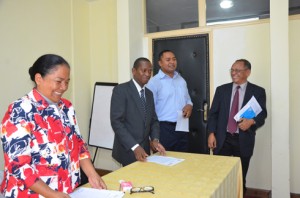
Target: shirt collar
x,y
139,88
43,100
161,74
242,86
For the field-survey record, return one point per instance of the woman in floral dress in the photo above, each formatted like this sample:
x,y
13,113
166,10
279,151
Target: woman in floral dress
x,y
42,145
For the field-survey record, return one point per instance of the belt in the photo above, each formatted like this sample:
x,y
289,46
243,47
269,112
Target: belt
x,y
233,134
169,123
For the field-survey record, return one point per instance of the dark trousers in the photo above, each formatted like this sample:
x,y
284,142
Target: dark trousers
x,y
173,140
231,147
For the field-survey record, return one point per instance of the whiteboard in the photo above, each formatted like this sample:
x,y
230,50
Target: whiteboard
x,y
101,133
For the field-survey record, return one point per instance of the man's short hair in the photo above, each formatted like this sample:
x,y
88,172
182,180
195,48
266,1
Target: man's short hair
x,y
138,61
246,63
162,53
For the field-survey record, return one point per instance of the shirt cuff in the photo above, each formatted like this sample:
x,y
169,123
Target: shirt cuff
x,y
134,147
190,103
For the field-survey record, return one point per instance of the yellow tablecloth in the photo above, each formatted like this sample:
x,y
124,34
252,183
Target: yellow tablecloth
x,y
201,176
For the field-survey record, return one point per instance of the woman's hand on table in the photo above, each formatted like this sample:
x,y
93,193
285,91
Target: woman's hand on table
x,y
97,182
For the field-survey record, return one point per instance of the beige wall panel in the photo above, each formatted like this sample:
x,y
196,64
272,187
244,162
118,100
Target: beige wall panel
x,y
103,43
81,67
104,60
294,27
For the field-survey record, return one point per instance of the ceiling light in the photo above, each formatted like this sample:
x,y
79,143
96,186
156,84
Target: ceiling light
x,y
226,4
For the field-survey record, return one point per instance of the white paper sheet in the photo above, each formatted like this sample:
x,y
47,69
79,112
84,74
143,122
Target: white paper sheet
x,y
250,110
96,193
182,123
164,160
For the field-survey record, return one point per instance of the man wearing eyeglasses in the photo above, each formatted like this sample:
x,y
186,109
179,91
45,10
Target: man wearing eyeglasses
x,y
226,136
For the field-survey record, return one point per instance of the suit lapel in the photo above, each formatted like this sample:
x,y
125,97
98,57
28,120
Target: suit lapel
x,y
227,98
248,94
148,104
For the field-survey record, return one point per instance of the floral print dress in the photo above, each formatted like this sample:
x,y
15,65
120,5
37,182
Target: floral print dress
x,y
41,141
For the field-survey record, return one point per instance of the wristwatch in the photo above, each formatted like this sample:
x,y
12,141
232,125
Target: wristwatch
x,y
155,139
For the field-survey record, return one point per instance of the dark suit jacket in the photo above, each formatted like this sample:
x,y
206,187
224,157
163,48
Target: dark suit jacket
x,y
219,112
127,121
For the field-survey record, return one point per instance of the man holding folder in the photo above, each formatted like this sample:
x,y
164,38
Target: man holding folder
x,y
226,135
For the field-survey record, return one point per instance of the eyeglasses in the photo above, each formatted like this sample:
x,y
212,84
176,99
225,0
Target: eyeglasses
x,y
142,189
237,70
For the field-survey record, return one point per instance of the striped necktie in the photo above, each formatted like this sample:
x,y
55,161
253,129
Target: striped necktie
x,y
143,103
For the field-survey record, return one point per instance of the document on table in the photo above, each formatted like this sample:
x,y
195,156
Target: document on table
x,y
250,110
182,123
164,160
95,193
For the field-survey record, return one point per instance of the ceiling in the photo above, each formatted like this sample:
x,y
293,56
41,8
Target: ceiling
x,y
165,15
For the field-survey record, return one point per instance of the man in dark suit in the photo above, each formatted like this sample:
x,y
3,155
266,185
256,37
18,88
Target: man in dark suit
x,y
237,140
133,117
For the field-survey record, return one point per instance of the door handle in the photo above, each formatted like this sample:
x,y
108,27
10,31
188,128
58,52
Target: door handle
x,y
204,110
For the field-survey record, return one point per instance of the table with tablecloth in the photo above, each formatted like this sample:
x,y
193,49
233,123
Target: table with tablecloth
x,y
199,175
